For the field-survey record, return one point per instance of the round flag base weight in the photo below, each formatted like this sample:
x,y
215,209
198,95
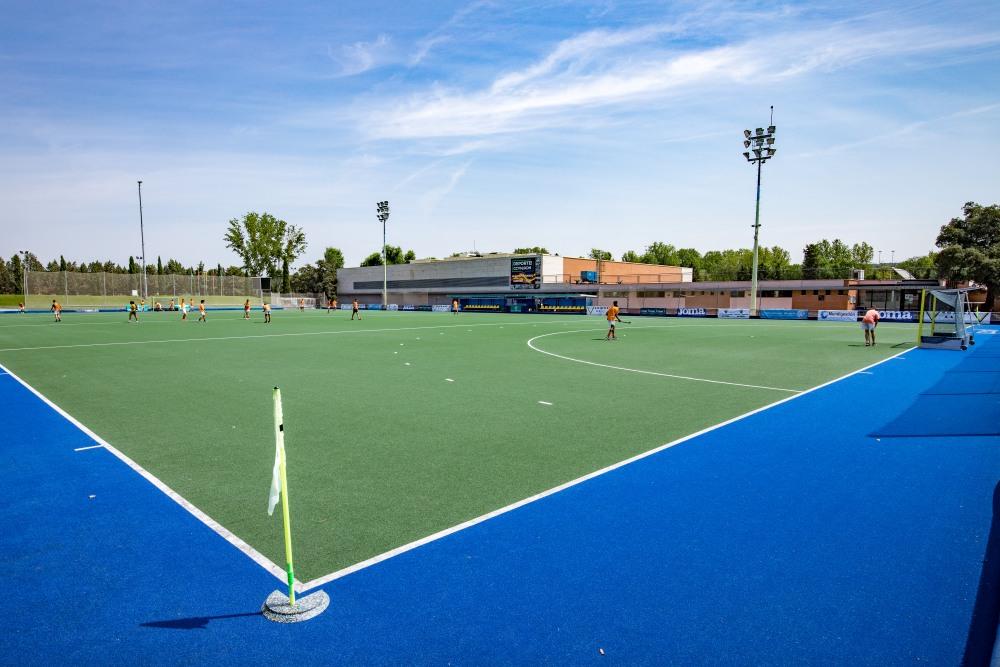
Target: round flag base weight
x,y
277,609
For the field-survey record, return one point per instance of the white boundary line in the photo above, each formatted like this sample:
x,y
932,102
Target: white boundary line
x,y
277,335
636,370
214,525
579,480
83,449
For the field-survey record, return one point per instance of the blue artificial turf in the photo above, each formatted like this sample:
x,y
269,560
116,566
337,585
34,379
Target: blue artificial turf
x,y
791,536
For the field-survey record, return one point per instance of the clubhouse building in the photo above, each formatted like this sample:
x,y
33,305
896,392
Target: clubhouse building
x,y
550,283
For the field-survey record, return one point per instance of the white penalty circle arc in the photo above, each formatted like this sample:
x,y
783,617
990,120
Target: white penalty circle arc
x,y
645,372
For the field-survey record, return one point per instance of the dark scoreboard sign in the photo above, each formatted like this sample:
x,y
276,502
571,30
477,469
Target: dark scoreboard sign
x,y
524,272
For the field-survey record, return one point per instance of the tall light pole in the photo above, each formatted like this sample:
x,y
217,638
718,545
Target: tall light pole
x,y
142,240
382,211
761,145
24,277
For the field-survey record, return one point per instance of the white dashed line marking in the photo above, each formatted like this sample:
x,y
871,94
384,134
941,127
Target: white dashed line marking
x,y
82,449
544,402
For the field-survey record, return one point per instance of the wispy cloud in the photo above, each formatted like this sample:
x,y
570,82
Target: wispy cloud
x,y
360,56
434,196
601,68
907,129
440,35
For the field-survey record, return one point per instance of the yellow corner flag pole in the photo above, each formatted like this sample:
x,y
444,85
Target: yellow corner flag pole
x,y
279,439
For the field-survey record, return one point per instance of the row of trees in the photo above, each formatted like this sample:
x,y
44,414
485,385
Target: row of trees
x,y
824,259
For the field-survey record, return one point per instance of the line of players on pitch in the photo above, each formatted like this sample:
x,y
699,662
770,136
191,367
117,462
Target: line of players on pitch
x,y
868,322
185,308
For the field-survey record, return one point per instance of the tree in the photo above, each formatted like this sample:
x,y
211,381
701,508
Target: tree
x,y
921,267
16,267
970,248
52,266
409,256
159,266
601,255
7,285
173,266
263,242
660,253
534,250
812,261
305,280
333,259
631,256
374,259
131,265
235,271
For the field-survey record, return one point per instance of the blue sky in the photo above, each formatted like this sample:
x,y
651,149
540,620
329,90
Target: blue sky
x,y
492,124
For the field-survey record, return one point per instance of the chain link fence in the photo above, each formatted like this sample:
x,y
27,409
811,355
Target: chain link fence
x,y
105,290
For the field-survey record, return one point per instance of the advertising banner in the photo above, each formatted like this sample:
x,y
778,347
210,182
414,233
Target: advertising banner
x,y
970,318
393,306
524,272
372,306
653,311
897,315
784,314
691,312
441,309
597,310
409,306
734,313
837,316
346,306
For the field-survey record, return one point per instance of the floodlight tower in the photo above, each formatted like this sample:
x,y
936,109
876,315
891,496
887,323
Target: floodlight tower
x,y
761,145
382,210
24,277
142,240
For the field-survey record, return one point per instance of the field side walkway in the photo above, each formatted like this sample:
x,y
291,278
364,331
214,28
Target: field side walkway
x,y
830,528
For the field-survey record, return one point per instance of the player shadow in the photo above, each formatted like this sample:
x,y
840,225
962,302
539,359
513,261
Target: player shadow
x,y
194,622
986,612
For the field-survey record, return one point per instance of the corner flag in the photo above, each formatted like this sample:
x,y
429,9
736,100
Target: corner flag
x,y
279,489
279,454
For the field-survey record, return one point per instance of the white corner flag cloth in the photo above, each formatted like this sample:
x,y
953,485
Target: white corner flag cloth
x,y
279,452
275,495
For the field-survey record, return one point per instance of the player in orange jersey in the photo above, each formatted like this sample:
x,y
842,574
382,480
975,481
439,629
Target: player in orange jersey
x,y
612,316
201,311
57,310
868,323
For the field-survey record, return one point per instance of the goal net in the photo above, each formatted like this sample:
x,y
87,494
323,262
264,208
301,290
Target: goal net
x,y
947,320
292,301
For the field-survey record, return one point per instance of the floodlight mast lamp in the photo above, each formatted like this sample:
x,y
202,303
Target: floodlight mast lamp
x,y
382,210
760,149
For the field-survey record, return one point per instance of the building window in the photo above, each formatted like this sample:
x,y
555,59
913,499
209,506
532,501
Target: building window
x,y
840,292
803,293
815,292
821,297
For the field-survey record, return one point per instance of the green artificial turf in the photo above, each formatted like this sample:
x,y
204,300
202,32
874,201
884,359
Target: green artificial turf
x,y
381,453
